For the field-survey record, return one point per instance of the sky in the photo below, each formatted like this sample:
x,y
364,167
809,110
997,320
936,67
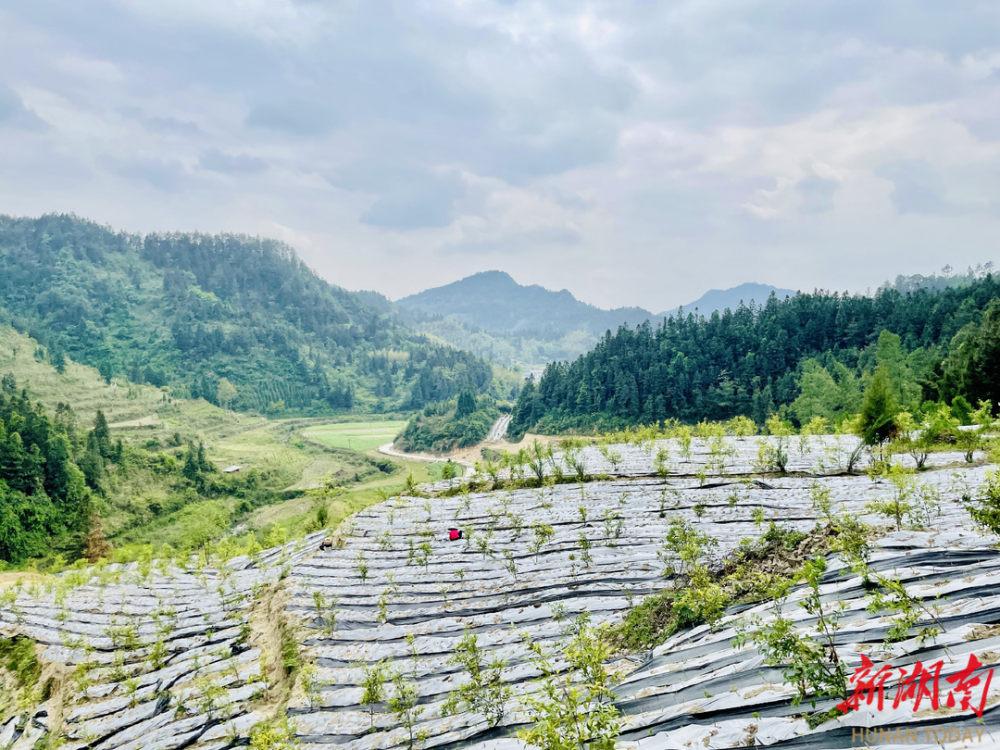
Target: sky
x,y
634,152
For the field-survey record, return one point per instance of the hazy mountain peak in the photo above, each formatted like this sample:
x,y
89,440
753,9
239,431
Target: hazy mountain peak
x,y
720,299
494,301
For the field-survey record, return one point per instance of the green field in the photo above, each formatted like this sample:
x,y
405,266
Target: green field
x,y
356,436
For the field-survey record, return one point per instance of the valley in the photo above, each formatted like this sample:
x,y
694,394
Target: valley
x,y
290,519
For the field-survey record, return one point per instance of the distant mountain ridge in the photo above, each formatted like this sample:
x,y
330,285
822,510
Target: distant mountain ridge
x,y
496,318
493,301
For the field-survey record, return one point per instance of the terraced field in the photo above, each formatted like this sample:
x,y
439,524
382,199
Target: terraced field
x,y
356,436
153,656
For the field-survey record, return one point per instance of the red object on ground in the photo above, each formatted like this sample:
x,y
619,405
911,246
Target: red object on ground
x,y
454,535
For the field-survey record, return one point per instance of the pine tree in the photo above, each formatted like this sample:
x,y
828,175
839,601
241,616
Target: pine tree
x,y
92,463
204,465
192,469
879,408
466,404
97,545
15,468
102,434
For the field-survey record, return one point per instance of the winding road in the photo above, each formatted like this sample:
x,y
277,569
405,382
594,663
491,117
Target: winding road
x,y
499,429
388,450
496,433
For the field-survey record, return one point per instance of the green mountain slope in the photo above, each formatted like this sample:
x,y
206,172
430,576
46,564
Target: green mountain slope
x,y
193,311
752,361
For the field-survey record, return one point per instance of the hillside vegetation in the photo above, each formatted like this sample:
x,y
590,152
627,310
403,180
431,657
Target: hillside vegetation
x,y
236,320
444,426
77,384
135,468
494,317
756,361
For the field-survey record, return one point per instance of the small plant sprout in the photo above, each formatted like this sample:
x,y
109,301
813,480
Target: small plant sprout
x,y
510,564
362,566
809,659
614,527
404,705
483,545
683,547
542,534
662,463
311,684
821,500
373,687
326,612
485,692
585,546
573,707
899,502
411,641
516,524
466,502
383,609
424,553
385,541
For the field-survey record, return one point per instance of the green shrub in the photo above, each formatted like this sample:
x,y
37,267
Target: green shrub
x,y
20,658
985,508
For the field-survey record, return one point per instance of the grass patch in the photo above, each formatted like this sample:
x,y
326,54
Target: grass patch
x,y
357,436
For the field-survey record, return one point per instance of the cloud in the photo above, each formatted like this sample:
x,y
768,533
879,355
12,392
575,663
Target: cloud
x,y
171,126
637,152
300,117
14,114
407,198
517,243
168,176
816,194
917,188
216,161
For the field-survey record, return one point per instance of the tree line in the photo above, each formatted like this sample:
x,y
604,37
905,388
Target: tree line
x,y
186,310
758,361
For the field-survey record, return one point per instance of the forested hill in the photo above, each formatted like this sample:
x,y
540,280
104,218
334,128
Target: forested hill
x,y
237,320
751,361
